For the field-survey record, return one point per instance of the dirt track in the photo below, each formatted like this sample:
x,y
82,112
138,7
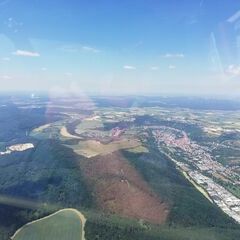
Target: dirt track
x,y
120,189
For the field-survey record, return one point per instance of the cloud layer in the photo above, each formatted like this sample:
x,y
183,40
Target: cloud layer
x,y
233,70
6,77
128,67
25,53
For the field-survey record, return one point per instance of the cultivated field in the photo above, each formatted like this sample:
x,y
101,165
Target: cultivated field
x,y
62,225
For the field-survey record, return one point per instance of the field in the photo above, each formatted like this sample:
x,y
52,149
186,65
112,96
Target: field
x,y
91,148
87,125
64,224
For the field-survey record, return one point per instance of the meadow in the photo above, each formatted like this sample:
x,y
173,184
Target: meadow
x,y
64,224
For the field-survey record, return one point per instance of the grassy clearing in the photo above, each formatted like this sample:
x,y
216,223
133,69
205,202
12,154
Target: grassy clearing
x,y
64,224
93,148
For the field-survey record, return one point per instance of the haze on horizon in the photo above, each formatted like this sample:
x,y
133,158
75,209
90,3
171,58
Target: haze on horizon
x,y
111,47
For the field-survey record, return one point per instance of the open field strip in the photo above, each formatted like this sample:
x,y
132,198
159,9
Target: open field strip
x,y
60,225
64,132
41,128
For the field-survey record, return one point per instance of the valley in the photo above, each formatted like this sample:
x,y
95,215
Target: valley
x,y
145,168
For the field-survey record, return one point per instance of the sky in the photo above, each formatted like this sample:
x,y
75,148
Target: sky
x,y
183,47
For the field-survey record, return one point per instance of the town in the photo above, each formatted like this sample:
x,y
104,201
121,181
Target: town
x,y
199,166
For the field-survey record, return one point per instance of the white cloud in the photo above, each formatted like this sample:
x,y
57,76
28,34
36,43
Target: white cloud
x,y
90,49
234,17
171,67
174,55
233,70
128,67
26,53
154,68
6,77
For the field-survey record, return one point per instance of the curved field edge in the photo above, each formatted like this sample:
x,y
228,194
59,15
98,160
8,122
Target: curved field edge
x,y
53,226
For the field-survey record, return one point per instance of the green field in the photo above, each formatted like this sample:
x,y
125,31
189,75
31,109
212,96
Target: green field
x,y
62,225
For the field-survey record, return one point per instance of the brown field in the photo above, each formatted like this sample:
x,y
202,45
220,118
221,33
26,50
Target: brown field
x,y
119,189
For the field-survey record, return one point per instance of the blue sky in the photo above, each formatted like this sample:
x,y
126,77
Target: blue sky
x,y
114,47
